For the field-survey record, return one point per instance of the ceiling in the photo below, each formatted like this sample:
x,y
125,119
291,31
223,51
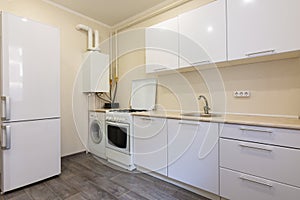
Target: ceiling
x,y
111,12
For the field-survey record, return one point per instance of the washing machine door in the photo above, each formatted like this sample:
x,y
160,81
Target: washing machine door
x,y
96,132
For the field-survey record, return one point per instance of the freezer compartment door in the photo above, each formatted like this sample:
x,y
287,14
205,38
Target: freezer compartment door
x,y
30,69
34,153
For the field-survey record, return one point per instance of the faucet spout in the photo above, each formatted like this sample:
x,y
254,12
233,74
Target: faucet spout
x,y
206,107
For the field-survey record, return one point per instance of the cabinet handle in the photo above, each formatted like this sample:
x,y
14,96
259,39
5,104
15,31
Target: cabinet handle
x,y
160,69
5,137
256,146
189,123
145,118
255,129
201,62
260,52
256,180
6,113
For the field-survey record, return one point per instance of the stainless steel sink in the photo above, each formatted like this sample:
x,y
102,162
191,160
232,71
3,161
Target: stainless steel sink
x,y
197,114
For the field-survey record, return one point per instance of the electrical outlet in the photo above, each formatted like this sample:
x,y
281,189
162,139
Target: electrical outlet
x,y
241,93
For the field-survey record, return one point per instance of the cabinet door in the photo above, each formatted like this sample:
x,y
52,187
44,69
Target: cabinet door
x,y
239,186
162,46
34,153
262,27
30,74
202,37
150,144
193,154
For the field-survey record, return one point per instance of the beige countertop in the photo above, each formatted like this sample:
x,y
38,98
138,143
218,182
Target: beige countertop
x,y
254,120
278,122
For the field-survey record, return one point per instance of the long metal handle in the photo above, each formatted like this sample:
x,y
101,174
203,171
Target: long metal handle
x,y
201,62
5,137
256,146
6,114
256,180
117,124
160,69
189,123
256,129
145,118
260,52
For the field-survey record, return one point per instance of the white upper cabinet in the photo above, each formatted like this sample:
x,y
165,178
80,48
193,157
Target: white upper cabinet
x,y
202,37
260,27
162,46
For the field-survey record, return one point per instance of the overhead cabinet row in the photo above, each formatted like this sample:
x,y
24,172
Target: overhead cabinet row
x,y
223,31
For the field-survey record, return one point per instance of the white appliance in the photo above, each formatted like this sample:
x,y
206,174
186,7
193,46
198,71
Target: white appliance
x,y
119,123
95,72
96,139
30,98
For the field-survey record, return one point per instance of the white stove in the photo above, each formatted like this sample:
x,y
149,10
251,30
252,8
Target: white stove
x,y
119,137
119,123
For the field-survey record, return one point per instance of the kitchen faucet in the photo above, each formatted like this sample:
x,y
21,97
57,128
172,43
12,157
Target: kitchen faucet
x,y
206,108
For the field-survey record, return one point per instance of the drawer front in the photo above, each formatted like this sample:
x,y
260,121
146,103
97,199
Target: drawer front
x,y
239,186
149,126
271,162
277,136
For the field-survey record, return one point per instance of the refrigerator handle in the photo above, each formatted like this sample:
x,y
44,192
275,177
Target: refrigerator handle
x,y
6,114
5,137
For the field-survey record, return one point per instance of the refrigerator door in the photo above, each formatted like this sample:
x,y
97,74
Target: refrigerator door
x,y
34,152
29,69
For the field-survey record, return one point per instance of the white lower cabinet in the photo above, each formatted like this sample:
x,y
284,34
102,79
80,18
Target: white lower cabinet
x,y
255,165
150,144
193,153
271,162
240,186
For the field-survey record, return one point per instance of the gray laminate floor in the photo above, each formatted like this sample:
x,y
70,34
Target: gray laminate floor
x,y
83,177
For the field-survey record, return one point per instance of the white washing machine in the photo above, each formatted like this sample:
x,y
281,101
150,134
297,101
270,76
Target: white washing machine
x,y
96,139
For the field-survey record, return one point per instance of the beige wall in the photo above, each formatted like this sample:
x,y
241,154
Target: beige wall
x,y
73,45
274,85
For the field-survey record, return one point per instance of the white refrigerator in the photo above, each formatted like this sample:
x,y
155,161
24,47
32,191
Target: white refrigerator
x,y
30,101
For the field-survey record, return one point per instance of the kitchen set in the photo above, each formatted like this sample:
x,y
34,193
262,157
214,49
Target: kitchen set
x,y
189,95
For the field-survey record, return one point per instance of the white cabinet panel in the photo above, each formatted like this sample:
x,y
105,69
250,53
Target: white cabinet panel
x,y
162,46
268,135
239,186
193,154
30,68
262,27
202,37
271,162
150,144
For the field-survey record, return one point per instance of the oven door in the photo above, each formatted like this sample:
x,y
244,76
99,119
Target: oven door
x,y
117,136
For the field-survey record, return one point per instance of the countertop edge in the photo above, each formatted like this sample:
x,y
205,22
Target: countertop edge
x,y
275,122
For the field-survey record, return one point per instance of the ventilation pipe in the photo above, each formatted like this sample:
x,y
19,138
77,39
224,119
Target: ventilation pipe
x,y
96,40
90,35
